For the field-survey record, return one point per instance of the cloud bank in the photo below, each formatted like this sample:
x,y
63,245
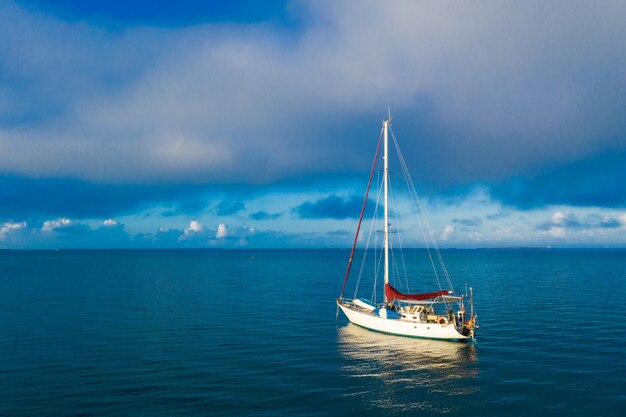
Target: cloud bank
x,y
481,91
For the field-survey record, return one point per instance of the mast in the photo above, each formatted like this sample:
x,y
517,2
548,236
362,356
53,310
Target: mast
x,y
385,182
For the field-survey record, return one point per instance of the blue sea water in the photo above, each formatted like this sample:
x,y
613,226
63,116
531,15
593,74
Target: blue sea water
x,y
254,332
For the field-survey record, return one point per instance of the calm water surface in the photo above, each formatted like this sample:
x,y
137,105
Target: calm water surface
x,y
193,333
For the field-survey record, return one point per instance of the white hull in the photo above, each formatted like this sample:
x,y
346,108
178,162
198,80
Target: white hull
x,y
402,327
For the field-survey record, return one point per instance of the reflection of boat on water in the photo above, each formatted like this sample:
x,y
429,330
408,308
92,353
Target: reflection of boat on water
x,y
401,363
434,315
452,360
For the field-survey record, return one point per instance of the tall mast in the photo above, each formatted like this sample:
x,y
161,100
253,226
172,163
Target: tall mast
x,y
385,181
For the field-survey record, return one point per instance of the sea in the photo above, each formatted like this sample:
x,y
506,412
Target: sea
x,y
257,333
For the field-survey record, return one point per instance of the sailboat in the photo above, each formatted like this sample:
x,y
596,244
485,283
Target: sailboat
x,y
439,314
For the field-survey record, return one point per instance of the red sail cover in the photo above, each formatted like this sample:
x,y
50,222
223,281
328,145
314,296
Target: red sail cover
x,y
393,294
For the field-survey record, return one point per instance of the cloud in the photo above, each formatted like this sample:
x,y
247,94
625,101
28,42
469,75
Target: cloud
x,y
608,222
557,232
222,231
447,231
229,207
559,217
599,180
565,219
194,227
11,227
119,14
473,221
563,223
331,207
81,199
110,223
263,215
242,235
64,232
560,221
165,237
61,224
478,89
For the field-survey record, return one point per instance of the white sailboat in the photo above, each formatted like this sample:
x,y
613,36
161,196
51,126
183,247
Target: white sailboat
x,y
435,315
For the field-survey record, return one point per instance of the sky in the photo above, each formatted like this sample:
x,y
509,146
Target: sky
x,y
194,124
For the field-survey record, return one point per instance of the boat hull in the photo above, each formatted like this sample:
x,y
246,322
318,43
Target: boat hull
x,y
399,327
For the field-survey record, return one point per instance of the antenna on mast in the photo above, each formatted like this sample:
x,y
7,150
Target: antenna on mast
x,y
389,113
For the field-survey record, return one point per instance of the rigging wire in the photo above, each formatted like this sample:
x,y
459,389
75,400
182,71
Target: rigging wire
x,y
378,263
376,275
356,236
417,203
396,284
406,277
367,244
375,222
416,200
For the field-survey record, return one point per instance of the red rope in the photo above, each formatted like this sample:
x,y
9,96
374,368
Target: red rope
x,y
367,191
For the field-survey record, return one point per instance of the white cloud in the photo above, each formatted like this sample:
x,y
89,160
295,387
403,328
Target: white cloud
x,y
447,231
622,219
557,232
10,227
559,217
194,227
51,225
110,223
222,231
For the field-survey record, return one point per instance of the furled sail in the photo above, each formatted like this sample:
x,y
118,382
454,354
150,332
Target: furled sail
x,y
393,294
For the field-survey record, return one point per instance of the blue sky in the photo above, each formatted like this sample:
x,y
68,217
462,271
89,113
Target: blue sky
x,y
227,124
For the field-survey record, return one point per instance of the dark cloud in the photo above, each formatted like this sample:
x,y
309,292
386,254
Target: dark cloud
x,y
65,226
603,222
142,12
264,215
498,216
164,238
67,233
599,181
570,221
229,207
564,220
22,197
609,223
332,207
473,221
340,232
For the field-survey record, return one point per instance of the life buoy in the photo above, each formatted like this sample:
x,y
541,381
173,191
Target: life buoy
x,y
442,320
